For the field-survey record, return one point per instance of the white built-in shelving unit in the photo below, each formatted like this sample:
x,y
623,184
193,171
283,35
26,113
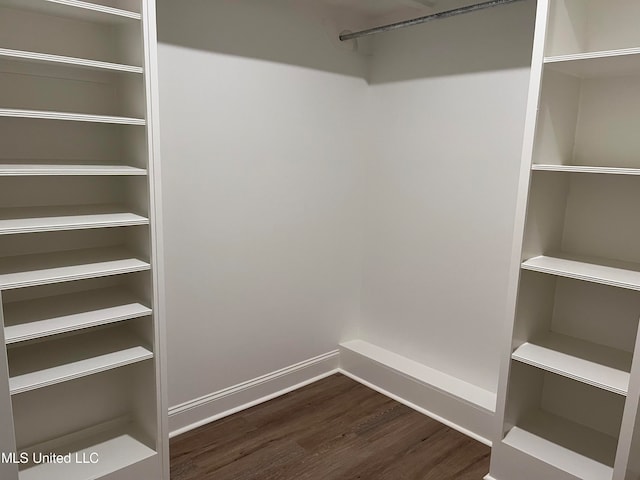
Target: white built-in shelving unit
x,y
80,277
570,383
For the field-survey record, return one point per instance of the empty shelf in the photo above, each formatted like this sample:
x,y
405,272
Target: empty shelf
x,y
92,12
51,219
71,61
616,274
596,365
610,63
25,170
46,268
37,318
573,448
585,169
74,117
42,364
117,445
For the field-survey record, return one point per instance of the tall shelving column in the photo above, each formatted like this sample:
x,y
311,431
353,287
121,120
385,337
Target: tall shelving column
x,y
570,378
80,246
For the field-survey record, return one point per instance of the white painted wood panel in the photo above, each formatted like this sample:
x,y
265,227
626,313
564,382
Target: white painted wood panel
x,y
94,12
429,376
67,116
585,169
37,318
28,170
51,219
609,63
68,61
42,269
596,365
606,272
72,357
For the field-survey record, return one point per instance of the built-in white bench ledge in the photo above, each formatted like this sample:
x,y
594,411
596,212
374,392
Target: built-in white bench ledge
x,y
462,405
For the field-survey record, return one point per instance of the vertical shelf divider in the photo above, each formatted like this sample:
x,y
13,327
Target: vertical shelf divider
x,y
8,470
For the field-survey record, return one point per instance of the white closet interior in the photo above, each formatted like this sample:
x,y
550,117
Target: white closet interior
x,y
335,192
319,193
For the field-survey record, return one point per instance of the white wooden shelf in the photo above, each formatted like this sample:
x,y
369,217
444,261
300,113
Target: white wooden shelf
x,y
585,169
38,318
117,444
46,268
51,219
609,63
74,117
72,357
606,272
26,170
92,12
573,448
586,362
70,61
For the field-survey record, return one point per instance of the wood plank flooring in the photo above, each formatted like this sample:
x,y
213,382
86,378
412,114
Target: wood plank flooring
x,y
334,429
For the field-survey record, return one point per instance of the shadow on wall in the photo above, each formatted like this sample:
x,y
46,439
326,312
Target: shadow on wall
x,y
294,32
303,33
499,38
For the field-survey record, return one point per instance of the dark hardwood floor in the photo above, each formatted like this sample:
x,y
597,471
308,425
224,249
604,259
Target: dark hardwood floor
x,y
334,429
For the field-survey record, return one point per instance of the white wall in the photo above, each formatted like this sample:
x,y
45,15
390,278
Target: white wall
x,y
305,205
261,164
448,102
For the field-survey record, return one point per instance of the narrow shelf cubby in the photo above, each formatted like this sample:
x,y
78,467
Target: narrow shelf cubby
x,y
584,225
591,26
587,115
550,417
107,417
35,147
32,205
580,330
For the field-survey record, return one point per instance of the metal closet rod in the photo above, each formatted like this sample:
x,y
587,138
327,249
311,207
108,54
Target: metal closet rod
x,y
417,21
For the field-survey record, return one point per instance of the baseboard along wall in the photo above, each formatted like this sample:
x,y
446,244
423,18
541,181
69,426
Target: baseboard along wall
x,y
458,404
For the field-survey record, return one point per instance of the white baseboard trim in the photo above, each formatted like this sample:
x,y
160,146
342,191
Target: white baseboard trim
x,y
208,408
406,382
489,477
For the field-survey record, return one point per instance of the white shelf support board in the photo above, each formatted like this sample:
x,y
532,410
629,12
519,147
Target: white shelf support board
x,y
615,274
39,318
71,358
43,269
52,219
28,170
586,362
610,63
72,117
92,12
585,169
70,61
